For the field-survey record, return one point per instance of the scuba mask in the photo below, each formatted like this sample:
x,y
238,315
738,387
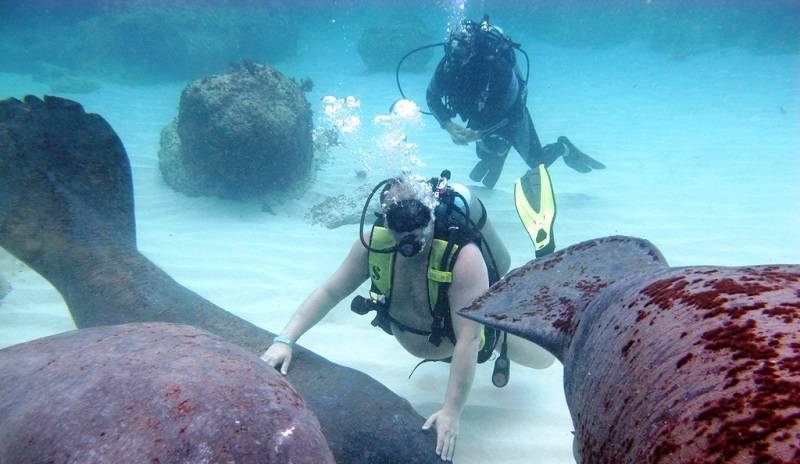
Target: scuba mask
x,y
407,216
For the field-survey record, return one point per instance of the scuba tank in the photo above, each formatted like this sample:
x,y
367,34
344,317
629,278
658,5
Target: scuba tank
x,y
495,254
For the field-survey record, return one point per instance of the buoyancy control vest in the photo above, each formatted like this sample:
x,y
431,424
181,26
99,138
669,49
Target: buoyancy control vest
x,y
452,230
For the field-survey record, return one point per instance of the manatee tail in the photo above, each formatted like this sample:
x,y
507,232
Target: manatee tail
x,y
65,182
544,300
66,209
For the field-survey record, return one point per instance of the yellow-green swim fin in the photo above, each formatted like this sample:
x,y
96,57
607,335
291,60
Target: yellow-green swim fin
x,y
536,207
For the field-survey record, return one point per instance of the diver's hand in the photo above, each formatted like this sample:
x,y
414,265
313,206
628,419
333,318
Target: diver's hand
x,y
278,354
460,135
446,423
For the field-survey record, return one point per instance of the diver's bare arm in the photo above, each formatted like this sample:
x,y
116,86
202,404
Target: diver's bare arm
x,y
470,280
350,274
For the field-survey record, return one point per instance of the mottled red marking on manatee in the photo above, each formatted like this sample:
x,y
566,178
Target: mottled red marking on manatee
x,y
593,286
576,249
551,263
707,272
176,391
788,312
664,292
750,416
626,348
732,287
740,339
792,365
567,312
183,409
641,315
734,312
664,449
681,362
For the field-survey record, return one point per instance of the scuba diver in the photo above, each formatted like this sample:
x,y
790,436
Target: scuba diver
x,y
431,251
478,80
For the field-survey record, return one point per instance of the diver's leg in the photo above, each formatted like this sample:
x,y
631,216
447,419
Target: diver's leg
x,y
527,353
526,142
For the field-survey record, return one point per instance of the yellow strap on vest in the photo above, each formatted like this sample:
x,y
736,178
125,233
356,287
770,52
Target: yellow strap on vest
x,y
380,264
436,274
440,276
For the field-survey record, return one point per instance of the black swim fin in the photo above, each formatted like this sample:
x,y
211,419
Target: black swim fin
x,y
577,159
488,171
479,171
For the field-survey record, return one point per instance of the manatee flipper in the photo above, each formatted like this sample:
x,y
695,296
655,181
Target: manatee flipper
x,y
662,364
543,301
536,208
66,209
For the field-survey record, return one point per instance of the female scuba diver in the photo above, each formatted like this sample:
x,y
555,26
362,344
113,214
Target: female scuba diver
x,y
431,252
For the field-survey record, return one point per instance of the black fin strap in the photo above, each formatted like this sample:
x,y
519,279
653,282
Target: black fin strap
x,y
447,360
439,320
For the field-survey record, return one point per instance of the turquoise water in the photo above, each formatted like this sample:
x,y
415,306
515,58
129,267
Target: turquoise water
x,y
694,110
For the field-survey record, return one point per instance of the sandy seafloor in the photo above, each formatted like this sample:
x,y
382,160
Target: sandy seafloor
x,y
703,159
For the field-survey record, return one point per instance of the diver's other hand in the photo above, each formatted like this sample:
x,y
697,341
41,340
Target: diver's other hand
x,y
460,135
278,354
446,423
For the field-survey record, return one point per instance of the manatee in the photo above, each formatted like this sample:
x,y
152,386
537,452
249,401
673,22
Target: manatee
x,y
149,392
66,209
688,364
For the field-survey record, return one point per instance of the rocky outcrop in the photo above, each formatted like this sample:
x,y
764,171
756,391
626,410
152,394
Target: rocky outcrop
x,y
241,135
340,210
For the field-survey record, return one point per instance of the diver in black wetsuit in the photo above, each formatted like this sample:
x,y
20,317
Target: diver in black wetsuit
x,y
478,80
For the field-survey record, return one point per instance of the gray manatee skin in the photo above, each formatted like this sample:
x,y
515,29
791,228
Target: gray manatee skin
x,y
663,365
149,392
66,209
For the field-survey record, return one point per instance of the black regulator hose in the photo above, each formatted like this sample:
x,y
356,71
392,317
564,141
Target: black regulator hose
x,y
364,215
400,63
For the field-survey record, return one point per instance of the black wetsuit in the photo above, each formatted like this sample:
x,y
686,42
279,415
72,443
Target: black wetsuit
x,y
486,92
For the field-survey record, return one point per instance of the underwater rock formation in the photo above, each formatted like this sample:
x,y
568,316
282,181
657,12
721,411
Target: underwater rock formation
x,y
382,47
346,208
144,41
241,135
149,392
661,364
66,209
